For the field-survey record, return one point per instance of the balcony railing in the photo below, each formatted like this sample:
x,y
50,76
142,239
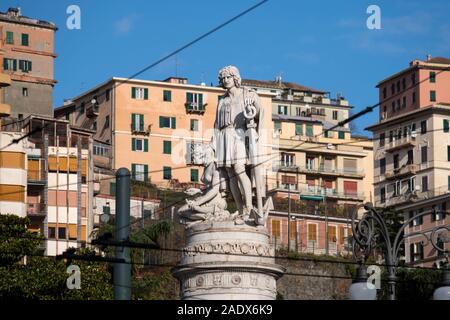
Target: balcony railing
x,y
405,170
320,192
36,209
36,177
397,144
290,167
194,107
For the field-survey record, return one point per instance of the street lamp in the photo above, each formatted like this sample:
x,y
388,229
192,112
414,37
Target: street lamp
x,y
361,289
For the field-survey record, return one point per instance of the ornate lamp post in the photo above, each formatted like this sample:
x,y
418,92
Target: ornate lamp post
x,y
372,229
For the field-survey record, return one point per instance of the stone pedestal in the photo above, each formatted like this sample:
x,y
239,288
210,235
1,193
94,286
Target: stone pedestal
x,y
224,261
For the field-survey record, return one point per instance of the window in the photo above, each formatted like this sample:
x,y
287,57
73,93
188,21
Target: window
x,y
423,127
332,234
413,78
392,89
25,39
445,125
404,83
397,187
167,122
438,212
309,130
194,175
417,221
25,65
382,139
82,108
383,166
139,172
448,183
312,232
410,157
432,77
414,97
398,104
9,64
395,161
107,122
139,93
383,195
194,102
61,233
276,232
411,184
424,154
404,102
448,153
9,37
191,150
393,106
283,110
167,173
350,187
293,230
167,147
94,126
298,129
416,251
341,135
384,93
137,122
432,95
309,163
112,188
51,232
67,116
424,183
287,159
167,95
25,92
277,125
108,94
335,115
391,136
194,125
139,145
398,86
100,150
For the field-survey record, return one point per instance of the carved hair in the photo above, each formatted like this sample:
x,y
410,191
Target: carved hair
x,y
232,71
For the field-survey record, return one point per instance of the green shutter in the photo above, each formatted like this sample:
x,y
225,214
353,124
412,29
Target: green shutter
x,y
112,188
133,171
448,183
146,94
194,175
167,147
15,65
24,39
446,128
448,153
133,92
167,95
145,145
167,173
298,129
309,130
141,122
174,123
145,172
133,144
161,122
341,135
9,37
200,101
5,64
133,121
30,64
189,97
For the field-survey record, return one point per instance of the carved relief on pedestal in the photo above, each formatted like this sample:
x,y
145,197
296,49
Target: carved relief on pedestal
x,y
232,248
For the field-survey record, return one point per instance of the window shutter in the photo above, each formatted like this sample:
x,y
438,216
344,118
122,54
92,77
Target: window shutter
x,y
411,223
133,92
15,65
411,252
145,172
174,123
200,102
146,94
448,153
298,129
133,121
133,144
112,188
141,122
133,171
5,64
433,213
446,125
161,122
189,97
30,64
145,145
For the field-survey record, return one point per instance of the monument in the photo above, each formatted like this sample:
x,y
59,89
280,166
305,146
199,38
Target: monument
x,y
228,254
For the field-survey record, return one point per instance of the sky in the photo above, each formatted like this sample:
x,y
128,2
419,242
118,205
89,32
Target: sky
x,y
321,44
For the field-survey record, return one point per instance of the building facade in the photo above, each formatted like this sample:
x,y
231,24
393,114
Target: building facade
x,y
412,152
28,58
150,127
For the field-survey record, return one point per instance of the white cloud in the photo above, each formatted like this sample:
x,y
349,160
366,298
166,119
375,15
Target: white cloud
x,y
125,25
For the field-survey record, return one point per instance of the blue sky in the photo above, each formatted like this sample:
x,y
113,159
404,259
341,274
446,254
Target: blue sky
x,y
321,44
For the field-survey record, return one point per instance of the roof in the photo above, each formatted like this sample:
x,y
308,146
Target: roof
x,y
326,124
440,60
13,15
278,85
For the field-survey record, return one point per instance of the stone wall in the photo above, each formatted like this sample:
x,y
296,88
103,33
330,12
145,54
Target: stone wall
x,y
295,285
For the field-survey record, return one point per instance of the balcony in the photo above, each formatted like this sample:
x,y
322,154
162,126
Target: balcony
x,y
318,193
404,171
406,142
195,107
36,209
92,111
5,110
5,80
36,177
321,170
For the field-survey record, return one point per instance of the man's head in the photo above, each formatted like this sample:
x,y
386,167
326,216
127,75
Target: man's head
x,y
229,72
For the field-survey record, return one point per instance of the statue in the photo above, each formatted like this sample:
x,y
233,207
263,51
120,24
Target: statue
x,y
233,152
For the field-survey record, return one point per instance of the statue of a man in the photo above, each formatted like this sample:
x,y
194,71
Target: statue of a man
x,y
231,130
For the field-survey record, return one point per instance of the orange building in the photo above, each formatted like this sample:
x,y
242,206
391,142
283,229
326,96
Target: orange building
x,y
28,58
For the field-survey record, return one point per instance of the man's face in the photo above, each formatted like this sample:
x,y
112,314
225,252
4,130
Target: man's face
x,y
227,81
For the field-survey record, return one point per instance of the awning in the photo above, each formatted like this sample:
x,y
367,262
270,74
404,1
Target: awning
x,y
314,198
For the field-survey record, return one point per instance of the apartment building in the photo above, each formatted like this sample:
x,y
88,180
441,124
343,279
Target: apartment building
x,y
328,171
56,182
28,58
412,153
149,127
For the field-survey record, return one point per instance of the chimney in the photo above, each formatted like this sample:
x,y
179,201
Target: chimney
x,y
14,12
